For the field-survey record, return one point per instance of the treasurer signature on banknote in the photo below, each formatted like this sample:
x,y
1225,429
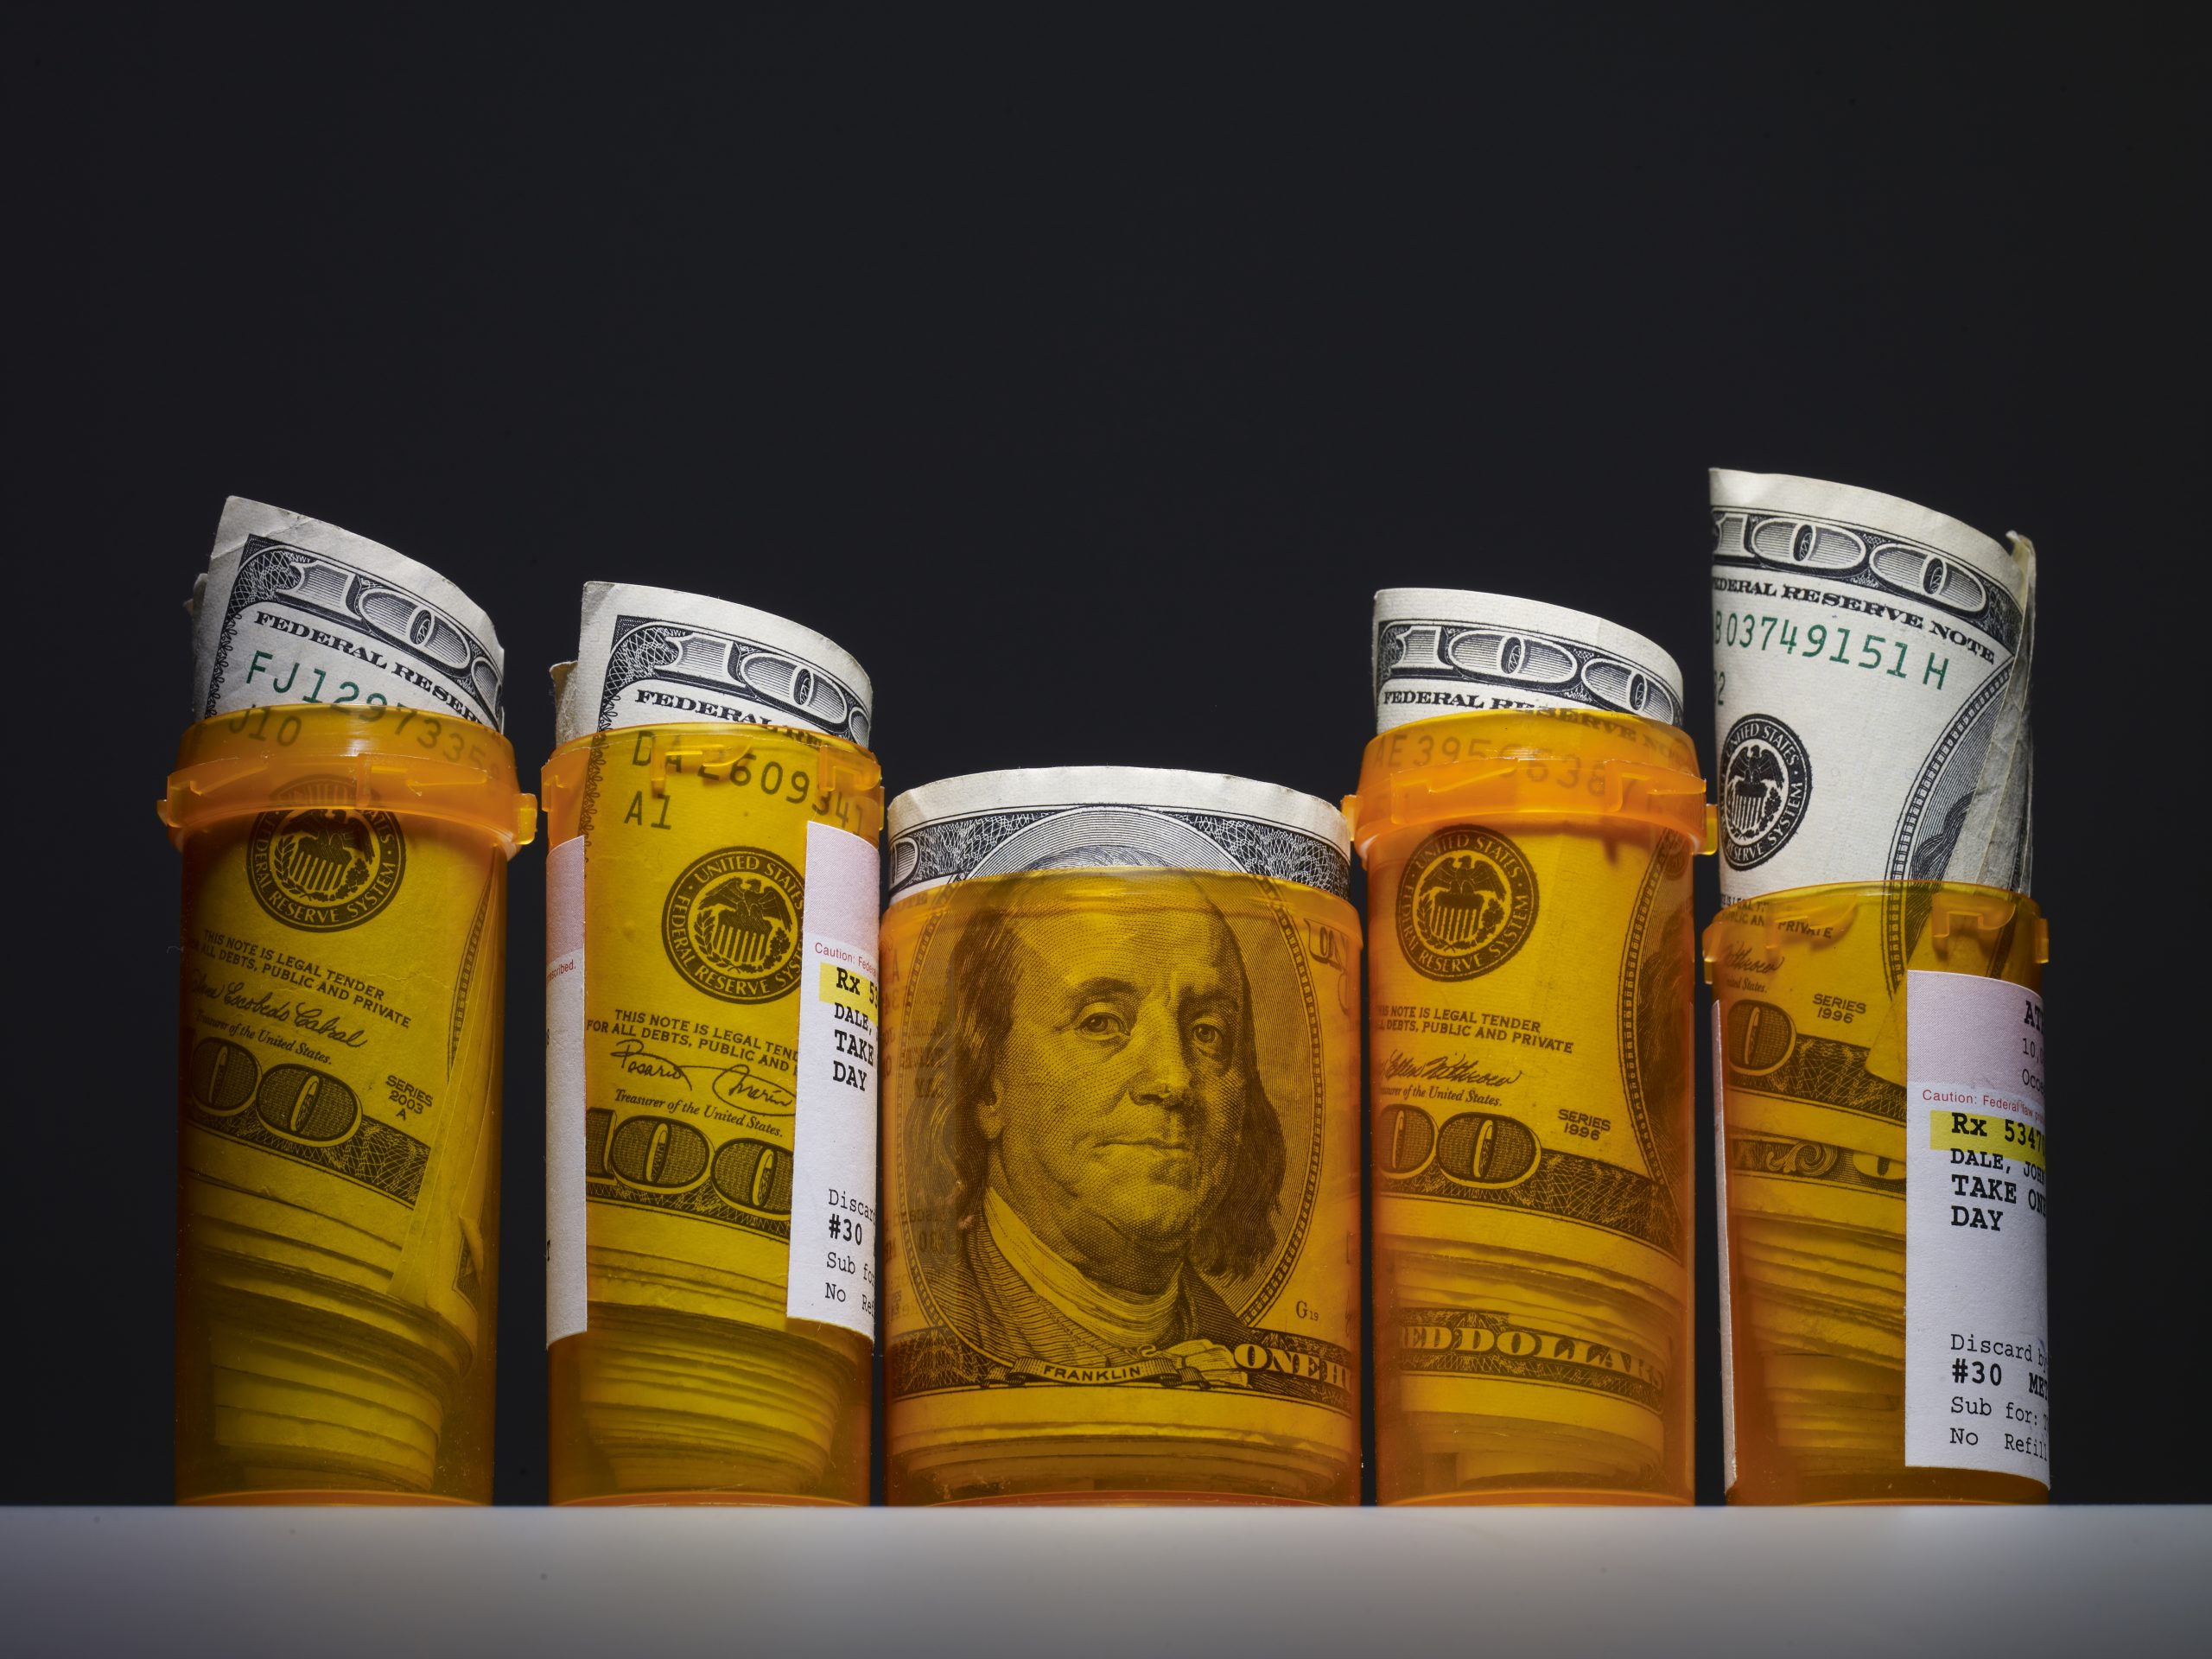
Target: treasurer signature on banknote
x,y
732,1085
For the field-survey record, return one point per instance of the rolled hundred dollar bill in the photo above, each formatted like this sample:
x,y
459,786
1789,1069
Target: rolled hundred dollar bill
x,y
712,1051
346,808
1871,664
292,610
1121,1104
1530,1006
652,655
1439,650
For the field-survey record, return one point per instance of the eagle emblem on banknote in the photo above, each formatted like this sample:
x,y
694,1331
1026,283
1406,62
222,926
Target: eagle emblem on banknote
x,y
1766,778
1466,902
325,868
731,924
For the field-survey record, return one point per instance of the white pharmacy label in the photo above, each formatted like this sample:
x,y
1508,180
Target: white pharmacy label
x,y
1977,1392
565,1298
840,1050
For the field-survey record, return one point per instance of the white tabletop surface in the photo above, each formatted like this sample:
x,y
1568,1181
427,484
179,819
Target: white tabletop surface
x,y
1367,1584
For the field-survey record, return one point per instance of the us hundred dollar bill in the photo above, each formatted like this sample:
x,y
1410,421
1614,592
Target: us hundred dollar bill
x,y
341,1016
292,610
1120,1094
649,656
1870,677
1531,1072
1438,650
697,1133
1001,822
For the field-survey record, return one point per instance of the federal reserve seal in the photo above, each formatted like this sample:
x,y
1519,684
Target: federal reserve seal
x,y
731,924
324,868
1466,900
1765,781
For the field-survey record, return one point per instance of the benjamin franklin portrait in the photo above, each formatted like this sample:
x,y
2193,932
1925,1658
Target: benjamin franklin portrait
x,y
1101,1147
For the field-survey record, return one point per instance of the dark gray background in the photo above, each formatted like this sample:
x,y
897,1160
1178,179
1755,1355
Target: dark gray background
x,y
1085,377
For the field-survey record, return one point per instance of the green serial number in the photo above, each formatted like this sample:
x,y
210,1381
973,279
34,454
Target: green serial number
x,y
1754,631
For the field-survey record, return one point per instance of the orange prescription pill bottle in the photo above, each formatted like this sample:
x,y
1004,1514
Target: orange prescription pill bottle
x,y
712,892
344,946
1531,959
711,998
1120,1117
1883,1156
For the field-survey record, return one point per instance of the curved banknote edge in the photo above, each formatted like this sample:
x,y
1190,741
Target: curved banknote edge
x,y
998,822
648,656
294,610
1439,650
1872,665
